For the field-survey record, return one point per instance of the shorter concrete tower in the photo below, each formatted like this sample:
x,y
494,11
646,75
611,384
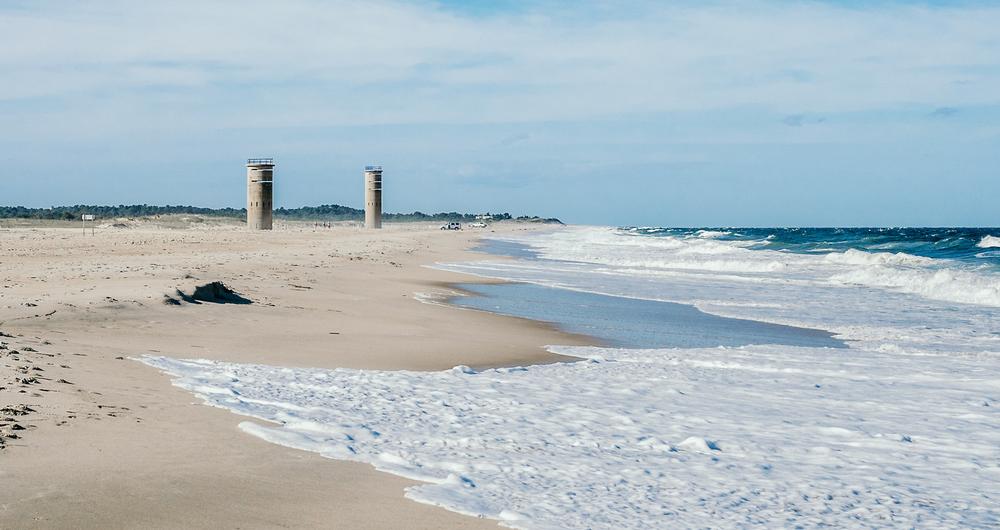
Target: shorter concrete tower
x,y
373,196
260,188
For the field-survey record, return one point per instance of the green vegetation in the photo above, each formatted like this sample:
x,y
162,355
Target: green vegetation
x,y
326,212
70,213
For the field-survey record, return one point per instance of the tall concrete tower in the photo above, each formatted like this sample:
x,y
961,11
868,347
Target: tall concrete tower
x,y
260,186
373,196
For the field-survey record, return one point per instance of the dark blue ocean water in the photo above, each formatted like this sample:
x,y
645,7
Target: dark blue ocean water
x,y
976,246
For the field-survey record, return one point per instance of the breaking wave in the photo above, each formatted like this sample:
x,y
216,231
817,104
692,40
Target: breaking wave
x,y
658,251
949,285
989,242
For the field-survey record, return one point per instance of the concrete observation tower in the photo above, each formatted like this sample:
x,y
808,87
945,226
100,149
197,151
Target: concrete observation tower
x,y
260,187
373,196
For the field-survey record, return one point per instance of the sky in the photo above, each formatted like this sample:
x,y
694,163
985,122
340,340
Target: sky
x,y
739,113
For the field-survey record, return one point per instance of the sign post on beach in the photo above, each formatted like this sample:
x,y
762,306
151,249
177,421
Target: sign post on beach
x,y
88,217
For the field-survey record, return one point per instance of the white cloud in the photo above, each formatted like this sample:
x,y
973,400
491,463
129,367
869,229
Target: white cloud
x,y
309,62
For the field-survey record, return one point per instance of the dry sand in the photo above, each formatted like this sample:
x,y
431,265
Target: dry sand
x,y
108,442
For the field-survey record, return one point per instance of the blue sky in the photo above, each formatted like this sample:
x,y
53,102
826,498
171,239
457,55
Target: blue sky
x,y
651,113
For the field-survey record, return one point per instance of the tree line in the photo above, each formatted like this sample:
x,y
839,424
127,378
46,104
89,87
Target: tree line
x,y
327,212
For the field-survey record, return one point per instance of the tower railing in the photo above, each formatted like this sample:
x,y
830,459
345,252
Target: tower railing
x,y
260,161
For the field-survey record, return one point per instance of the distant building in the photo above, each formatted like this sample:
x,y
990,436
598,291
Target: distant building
x,y
260,188
373,196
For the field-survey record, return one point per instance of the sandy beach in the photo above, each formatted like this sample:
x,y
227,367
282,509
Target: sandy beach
x,y
94,439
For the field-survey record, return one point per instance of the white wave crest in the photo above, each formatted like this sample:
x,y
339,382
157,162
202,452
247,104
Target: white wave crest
x,y
626,249
948,285
858,257
621,252
989,242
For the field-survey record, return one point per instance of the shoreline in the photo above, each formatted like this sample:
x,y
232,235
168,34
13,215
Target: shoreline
x,y
119,445
456,291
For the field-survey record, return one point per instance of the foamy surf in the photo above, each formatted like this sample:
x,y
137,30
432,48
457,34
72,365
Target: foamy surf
x,y
989,242
652,438
656,251
915,302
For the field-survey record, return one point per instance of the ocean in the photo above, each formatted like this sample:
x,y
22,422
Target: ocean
x,y
918,289
743,377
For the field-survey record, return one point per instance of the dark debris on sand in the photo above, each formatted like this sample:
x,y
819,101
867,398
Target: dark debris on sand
x,y
213,293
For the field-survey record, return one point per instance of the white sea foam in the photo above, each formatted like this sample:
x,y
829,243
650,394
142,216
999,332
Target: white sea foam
x,y
989,242
858,257
918,304
439,298
609,247
653,438
941,284
901,272
710,234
